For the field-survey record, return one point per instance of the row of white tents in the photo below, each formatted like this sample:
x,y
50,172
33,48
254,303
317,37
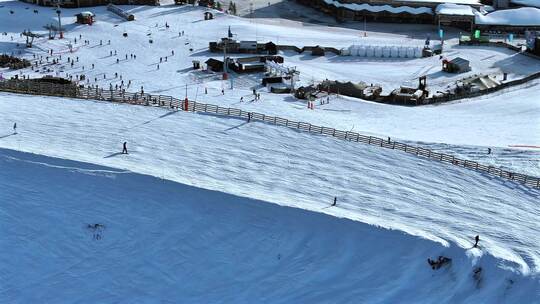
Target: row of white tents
x,y
385,51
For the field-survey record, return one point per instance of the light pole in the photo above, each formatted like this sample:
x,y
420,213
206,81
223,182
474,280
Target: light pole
x,y
59,22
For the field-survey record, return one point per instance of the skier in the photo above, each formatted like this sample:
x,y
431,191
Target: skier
x,y
335,201
241,99
489,150
15,128
124,150
222,91
477,238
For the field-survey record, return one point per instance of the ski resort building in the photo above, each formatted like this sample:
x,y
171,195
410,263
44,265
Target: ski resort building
x,y
85,3
400,11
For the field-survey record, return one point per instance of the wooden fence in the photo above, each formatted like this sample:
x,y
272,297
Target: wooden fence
x,y
145,99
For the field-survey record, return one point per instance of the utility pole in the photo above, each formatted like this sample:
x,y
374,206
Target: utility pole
x,y
59,21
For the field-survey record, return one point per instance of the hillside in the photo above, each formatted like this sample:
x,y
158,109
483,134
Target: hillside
x,y
163,242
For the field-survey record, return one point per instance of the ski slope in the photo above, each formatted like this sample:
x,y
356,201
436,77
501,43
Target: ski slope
x,y
178,205
163,242
384,188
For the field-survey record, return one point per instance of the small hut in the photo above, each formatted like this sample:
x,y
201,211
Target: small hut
x,y
271,48
317,51
214,65
85,18
456,65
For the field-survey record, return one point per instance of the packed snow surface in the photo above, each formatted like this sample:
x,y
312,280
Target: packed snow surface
x,y
376,186
161,242
524,16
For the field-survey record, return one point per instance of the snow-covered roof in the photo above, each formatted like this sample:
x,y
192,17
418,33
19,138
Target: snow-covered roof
x,y
381,8
525,16
454,9
469,2
532,3
87,13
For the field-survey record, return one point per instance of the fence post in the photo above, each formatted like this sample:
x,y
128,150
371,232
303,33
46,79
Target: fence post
x,y
369,143
309,130
357,137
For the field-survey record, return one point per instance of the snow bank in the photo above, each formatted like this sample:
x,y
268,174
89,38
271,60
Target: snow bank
x,y
380,8
159,241
469,2
525,16
533,3
454,9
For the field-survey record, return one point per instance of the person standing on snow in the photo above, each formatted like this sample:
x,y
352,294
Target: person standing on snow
x,y
124,149
15,128
477,238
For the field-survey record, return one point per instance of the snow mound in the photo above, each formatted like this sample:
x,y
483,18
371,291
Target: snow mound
x,y
525,16
533,3
77,232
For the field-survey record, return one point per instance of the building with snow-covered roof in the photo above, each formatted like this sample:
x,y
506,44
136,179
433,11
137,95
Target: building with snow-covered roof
x,y
412,11
458,15
85,3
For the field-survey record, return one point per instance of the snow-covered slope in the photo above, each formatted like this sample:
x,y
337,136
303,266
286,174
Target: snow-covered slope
x,y
500,120
163,242
376,186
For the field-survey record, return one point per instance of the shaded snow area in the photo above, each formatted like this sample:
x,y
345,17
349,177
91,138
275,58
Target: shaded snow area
x,y
376,186
75,232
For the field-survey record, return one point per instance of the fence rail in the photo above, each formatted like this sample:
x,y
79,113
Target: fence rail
x,y
145,99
